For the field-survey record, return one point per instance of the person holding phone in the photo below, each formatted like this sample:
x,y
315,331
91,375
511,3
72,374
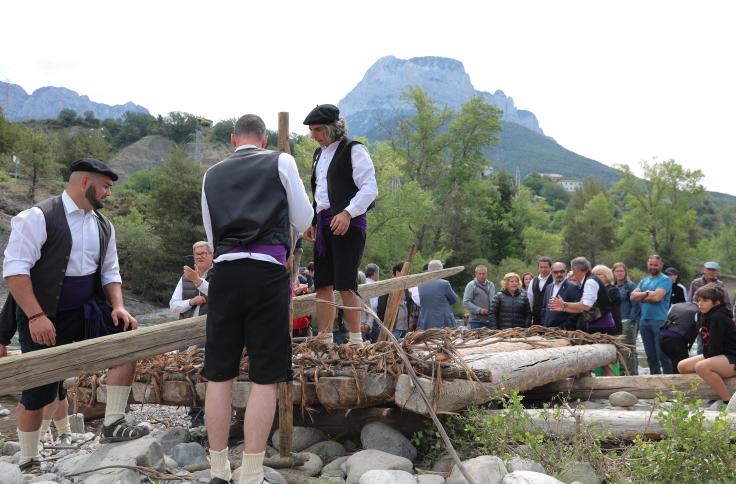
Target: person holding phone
x,y
190,296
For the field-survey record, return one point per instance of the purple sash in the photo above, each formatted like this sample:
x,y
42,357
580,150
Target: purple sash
x,y
324,218
669,332
276,251
605,321
79,292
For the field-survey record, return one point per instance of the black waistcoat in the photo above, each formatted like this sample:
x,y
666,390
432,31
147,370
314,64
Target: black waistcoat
x,y
247,201
340,185
603,301
537,295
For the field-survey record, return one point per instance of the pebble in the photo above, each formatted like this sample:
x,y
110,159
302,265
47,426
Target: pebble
x,y
4,412
623,399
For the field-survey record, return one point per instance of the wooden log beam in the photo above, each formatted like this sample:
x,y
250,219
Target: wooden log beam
x,y
644,386
394,299
622,424
522,369
46,366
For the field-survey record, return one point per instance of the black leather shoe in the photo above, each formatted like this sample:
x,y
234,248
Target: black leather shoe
x,y
217,480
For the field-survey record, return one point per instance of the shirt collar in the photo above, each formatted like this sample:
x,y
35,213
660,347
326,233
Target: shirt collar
x,y
69,205
242,147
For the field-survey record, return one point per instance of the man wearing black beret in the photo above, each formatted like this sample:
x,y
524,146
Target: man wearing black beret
x,y
344,189
61,266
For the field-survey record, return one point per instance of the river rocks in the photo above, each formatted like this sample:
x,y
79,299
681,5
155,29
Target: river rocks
x,y
367,460
529,477
378,435
579,471
145,452
487,469
48,477
10,448
189,453
168,439
272,477
520,464
444,463
312,467
4,412
327,450
76,423
623,399
430,479
302,437
387,477
10,474
335,468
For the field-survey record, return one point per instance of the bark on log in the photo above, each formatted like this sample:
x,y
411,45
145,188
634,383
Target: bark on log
x,y
644,386
343,392
622,424
46,366
523,369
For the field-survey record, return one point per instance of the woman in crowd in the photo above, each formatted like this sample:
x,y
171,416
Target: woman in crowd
x,y
526,280
510,306
606,276
718,333
630,311
679,293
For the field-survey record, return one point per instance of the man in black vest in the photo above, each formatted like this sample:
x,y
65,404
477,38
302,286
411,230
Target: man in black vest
x,y
61,267
190,295
539,283
344,188
249,200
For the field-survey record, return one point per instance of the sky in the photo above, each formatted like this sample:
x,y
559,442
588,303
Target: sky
x,y
620,82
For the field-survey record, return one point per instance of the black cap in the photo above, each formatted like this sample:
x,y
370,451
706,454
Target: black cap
x,y
95,166
671,271
322,114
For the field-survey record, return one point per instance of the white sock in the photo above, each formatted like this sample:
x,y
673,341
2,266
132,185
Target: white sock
x,y
355,337
220,465
251,471
45,425
117,400
28,445
325,337
62,426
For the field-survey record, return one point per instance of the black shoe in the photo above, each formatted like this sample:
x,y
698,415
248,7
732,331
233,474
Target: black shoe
x,y
32,466
121,431
217,480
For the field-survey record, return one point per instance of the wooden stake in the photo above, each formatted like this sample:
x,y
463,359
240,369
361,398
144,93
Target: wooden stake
x,y
286,401
394,299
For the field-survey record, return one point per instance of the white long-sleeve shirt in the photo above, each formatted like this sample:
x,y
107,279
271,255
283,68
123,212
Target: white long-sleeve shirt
x,y
178,305
364,177
300,210
28,234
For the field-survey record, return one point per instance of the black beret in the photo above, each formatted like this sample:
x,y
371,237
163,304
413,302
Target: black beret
x,y
322,114
95,166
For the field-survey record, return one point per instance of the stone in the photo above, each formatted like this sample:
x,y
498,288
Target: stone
x,y
520,464
486,469
380,436
10,474
387,477
4,412
367,460
327,450
334,468
529,477
443,463
272,477
48,477
168,439
302,437
189,453
579,471
623,399
76,423
145,452
10,448
430,479
311,467
731,407
170,463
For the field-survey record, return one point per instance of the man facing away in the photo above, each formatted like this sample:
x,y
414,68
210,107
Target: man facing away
x,y
61,266
344,188
437,298
249,200
477,298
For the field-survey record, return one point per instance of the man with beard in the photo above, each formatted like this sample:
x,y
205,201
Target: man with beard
x,y
654,294
61,266
567,290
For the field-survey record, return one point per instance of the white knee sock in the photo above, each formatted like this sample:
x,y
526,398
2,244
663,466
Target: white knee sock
x,y
220,465
117,400
325,337
28,445
355,338
45,425
251,471
62,426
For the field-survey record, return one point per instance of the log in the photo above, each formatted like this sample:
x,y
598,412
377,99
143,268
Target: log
x,y
46,366
621,424
394,299
344,392
644,386
522,369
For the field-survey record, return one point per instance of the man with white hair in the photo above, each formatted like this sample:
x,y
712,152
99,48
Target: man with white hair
x,y
437,298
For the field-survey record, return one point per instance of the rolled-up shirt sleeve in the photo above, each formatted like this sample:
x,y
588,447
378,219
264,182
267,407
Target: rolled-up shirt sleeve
x,y
364,177
27,236
110,268
590,293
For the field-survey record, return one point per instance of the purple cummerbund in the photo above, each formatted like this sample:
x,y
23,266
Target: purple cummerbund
x,y
669,332
324,219
276,251
604,322
79,292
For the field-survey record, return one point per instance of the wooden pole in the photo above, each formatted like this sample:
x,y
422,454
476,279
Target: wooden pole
x,y
394,299
47,366
286,401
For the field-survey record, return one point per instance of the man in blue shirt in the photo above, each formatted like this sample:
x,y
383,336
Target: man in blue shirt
x,y
654,295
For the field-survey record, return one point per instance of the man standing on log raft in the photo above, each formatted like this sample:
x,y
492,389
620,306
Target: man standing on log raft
x,y
61,266
248,202
344,189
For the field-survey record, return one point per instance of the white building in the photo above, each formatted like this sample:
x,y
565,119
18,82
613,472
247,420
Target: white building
x,y
571,185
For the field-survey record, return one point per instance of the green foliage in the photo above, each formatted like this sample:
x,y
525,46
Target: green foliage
x,y
592,230
75,144
37,152
132,127
222,130
692,450
67,118
179,126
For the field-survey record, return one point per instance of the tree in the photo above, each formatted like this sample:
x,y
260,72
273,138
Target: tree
x,y
37,154
67,117
179,126
76,144
591,231
222,130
